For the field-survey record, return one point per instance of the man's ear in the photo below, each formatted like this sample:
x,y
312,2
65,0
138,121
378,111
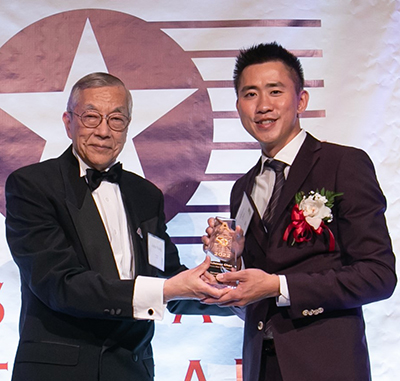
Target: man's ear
x,y
66,117
303,101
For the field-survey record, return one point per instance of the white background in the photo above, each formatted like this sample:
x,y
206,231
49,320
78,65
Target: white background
x,y
360,67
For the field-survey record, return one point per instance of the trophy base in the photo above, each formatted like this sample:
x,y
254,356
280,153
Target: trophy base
x,y
219,268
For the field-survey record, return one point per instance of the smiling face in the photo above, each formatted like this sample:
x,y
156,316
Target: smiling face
x,y
268,105
98,147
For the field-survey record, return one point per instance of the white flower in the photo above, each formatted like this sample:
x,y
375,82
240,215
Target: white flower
x,y
315,210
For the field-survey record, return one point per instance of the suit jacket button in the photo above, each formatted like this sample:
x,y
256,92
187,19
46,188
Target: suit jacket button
x,y
112,312
118,311
107,311
305,313
260,325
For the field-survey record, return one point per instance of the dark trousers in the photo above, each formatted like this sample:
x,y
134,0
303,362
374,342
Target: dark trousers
x,y
270,370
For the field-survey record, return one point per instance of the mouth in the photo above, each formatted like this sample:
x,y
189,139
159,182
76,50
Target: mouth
x,y
265,122
99,147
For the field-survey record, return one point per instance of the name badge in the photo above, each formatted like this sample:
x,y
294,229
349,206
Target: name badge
x,y
244,214
156,249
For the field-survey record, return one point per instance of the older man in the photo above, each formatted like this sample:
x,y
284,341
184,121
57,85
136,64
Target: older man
x,y
82,232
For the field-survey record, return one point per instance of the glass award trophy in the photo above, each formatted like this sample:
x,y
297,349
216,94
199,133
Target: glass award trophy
x,y
221,248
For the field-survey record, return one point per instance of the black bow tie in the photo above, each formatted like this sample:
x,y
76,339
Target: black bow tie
x,y
95,177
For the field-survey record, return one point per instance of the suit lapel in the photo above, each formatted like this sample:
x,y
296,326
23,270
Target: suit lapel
x,y
86,218
256,225
251,175
299,171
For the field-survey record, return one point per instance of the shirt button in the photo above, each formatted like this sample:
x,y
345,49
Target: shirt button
x,y
260,325
150,311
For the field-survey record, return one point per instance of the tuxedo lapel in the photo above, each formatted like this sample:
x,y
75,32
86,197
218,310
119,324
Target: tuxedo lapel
x,y
139,239
86,218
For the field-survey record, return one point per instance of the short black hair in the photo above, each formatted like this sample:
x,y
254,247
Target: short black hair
x,y
258,54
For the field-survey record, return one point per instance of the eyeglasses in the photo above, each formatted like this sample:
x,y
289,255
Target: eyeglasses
x,y
92,119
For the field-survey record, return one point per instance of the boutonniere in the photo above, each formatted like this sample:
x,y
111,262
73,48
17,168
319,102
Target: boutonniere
x,y
310,215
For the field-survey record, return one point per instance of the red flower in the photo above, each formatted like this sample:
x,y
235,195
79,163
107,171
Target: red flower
x,y
303,231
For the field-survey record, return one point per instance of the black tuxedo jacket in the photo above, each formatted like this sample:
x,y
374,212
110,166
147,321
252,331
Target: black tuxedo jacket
x,y
76,318
321,336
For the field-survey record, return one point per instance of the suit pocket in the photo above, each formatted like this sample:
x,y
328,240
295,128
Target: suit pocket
x,y
48,353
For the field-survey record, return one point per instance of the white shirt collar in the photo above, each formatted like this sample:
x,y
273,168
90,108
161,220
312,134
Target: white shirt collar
x,y
289,152
83,166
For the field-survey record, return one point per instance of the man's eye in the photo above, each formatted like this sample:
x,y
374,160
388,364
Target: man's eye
x,y
90,116
117,119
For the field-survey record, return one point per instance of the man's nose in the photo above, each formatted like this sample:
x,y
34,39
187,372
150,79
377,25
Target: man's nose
x,y
103,128
264,103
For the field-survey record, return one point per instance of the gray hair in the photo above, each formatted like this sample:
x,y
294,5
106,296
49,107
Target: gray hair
x,y
95,80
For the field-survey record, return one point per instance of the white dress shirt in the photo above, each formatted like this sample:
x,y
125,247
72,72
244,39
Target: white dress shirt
x,y
262,192
147,297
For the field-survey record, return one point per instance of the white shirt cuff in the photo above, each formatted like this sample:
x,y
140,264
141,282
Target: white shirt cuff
x,y
283,300
148,298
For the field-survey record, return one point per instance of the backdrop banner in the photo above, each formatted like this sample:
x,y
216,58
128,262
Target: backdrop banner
x,y
177,58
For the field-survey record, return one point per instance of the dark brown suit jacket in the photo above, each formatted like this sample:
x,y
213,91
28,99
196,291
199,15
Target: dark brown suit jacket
x,y
321,336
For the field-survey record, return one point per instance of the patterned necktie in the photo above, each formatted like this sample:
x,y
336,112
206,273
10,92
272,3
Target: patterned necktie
x,y
278,167
95,177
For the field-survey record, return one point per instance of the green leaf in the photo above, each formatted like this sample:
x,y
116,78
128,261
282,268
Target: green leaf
x,y
299,196
329,195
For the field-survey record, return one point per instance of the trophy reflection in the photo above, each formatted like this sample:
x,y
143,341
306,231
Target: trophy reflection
x,y
221,248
